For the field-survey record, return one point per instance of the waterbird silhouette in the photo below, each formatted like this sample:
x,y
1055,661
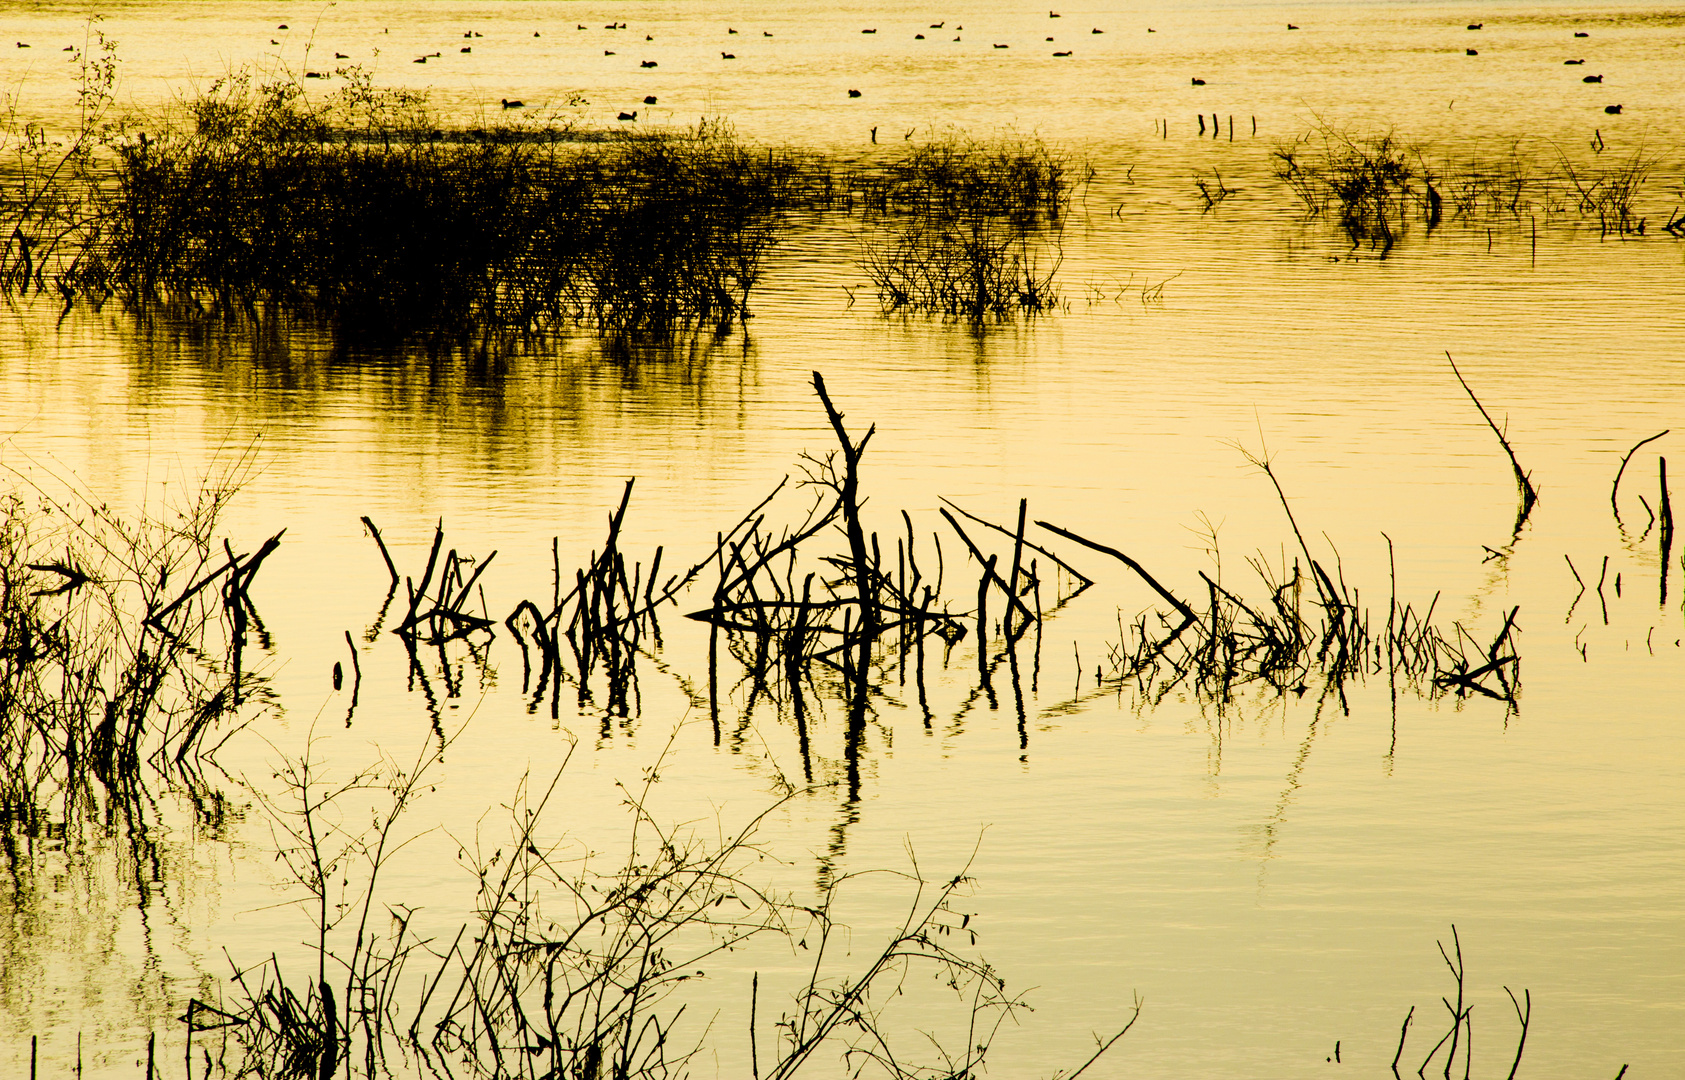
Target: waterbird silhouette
x,y
508,104
1612,110
466,48
1067,52
1290,26
646,63
1199,82
314,75
26,45
872,31
1053,14
608,52
1050,39
1572,62
1581,33
1471,52
1003,46
937,25
1477,26
728,56
272,41
918,37
340,56
283,26
854,93
766,33
1096,30
1592,78
633,115
729,30
649,99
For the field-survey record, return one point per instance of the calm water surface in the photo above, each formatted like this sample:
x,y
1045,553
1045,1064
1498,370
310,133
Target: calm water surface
x,y
1271,877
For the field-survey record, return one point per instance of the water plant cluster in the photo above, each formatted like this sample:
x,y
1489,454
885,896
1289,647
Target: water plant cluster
x,y
363,209
123,657
1374,185
361,213
971,228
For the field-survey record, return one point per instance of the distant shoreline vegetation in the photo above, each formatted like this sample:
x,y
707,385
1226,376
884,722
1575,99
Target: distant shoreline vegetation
x,y
363,210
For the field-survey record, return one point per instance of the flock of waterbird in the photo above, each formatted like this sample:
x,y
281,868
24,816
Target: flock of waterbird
x,y
512,103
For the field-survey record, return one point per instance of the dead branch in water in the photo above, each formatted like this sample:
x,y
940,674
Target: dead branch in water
x,y
1523,482
1615,488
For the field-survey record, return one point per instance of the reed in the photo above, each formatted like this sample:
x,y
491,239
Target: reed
x,y
50,182
122,649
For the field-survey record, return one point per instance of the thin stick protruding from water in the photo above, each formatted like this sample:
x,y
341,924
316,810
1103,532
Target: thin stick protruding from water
x,y
1523,482
1615,489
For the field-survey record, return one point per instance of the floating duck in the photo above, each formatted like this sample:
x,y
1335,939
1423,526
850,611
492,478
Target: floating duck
x,y
1053,14
728,56
283,26
1067,52
507,104
1471,52
1199,82
1581,33
647,63
608,52
633,115
854,93
937,25
314,75
918,37
1571,63
1612,110
1477,26
340,56
1096,30
1592,78
1003,46
1290,26
466,48
869,31
649,100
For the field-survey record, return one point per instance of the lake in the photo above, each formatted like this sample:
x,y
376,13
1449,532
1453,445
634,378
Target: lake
x,y
1270,871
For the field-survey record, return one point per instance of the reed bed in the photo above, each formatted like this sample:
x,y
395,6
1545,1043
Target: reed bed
x,y
1376,186
361,211
968,228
